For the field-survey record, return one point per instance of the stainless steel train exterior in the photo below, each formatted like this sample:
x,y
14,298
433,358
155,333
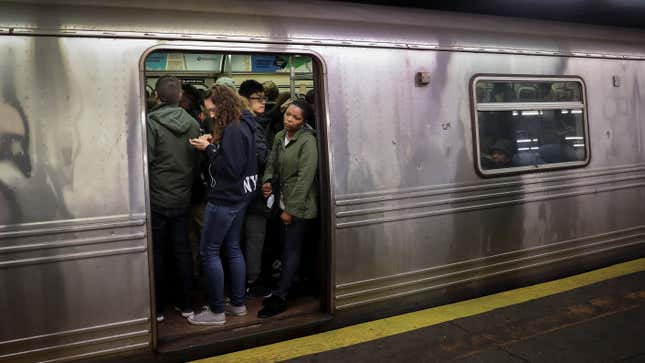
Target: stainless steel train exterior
x,y
405,210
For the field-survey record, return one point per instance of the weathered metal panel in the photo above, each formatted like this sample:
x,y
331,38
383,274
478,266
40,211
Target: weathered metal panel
x,y
73,244
410,212
316,23
408,198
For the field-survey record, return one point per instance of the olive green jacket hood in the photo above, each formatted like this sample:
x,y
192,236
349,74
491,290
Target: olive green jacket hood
x,y
171,159
174,118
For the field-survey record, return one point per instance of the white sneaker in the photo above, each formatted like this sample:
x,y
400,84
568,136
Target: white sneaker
x,y
160,318
235,310
207,317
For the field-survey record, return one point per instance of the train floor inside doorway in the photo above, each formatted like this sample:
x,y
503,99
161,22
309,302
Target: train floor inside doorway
x,y
175,333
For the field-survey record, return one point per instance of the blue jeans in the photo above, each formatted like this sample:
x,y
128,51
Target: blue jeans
x,y
170,238
222,229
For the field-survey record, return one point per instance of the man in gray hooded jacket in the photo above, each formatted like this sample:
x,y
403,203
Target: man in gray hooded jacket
x,y
171,163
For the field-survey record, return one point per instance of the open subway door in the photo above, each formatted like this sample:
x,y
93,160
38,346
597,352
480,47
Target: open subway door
x,y
282,78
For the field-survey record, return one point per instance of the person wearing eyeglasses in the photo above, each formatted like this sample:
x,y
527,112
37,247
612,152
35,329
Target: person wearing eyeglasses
x,y
252,94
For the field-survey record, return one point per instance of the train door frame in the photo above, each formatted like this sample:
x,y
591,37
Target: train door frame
x,y
325,165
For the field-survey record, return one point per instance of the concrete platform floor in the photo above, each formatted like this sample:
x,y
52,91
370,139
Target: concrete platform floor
x,y
604,322
598,316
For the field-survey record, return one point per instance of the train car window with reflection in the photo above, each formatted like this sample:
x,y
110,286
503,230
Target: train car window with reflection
x,y
524,124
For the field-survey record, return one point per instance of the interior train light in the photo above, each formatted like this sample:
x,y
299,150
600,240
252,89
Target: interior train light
x,y
530,113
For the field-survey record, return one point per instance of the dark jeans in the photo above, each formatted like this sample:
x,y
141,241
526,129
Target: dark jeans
x,y
196,225
222,230
292,236
255,226
271,249
170,238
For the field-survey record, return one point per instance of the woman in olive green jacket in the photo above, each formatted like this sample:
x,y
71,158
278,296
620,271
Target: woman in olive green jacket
x,y
293,165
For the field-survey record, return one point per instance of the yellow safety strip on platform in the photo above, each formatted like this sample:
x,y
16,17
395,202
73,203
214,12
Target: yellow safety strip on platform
x,y
382,328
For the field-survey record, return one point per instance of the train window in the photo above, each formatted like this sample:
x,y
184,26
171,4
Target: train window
x,y
525,91
524,124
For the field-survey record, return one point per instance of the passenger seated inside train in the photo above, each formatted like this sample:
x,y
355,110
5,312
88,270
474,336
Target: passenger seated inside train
x,y
503,92
500,155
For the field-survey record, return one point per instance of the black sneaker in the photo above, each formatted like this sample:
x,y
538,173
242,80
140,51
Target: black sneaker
x,y
266,299
273,305
256,289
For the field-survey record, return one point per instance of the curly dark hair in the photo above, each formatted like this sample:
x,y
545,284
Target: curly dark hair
x,y
228,109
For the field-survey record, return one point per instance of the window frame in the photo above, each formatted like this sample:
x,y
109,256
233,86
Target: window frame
x,y
525,106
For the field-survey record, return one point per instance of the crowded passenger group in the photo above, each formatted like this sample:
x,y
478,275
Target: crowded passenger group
x,y
224,168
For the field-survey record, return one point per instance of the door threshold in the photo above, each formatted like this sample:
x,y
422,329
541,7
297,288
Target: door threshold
x,y
225,339
177,335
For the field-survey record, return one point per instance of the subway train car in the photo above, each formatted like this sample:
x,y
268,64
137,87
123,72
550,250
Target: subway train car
x,y
459,154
